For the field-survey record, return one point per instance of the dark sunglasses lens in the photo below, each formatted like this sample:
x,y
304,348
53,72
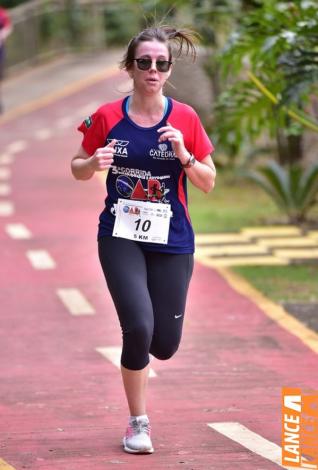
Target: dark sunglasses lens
x,y
144,64
163,65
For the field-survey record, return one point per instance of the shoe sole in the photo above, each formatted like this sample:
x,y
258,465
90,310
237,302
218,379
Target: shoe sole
x,y
137,451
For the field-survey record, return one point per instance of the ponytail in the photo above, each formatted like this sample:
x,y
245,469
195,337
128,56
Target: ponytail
x,y
183,37
185,40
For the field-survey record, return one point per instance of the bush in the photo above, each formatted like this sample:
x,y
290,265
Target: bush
x,y
119,26
293,189
12,3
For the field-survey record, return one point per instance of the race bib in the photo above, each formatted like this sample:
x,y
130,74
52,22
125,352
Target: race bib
x,y
142,221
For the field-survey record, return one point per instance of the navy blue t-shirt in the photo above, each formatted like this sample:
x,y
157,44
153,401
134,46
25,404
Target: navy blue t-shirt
x,y
145,169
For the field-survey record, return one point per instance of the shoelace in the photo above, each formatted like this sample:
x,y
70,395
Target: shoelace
x,y
141,426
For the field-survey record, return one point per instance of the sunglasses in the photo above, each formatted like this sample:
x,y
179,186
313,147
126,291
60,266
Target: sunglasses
x,y
145,64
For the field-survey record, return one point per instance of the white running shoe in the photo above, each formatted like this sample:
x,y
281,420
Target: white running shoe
x,y
137,439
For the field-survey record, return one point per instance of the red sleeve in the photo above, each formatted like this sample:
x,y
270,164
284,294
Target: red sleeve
x,y
94,132
200,144
196,140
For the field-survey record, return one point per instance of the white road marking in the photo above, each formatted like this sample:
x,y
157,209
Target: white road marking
x,y
75,301
113,354
5,173
64,122
40,259
5,189
17,146
6,159
43,134
18,231
6,208
250,440
86,110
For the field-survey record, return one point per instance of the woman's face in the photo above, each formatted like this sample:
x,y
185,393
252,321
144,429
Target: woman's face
x,y
150,81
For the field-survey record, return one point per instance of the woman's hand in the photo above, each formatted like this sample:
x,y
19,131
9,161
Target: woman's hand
x,y
84,166
176,138
202,174
103,157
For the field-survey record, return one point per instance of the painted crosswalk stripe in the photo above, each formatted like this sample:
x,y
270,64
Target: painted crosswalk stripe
x,y
5,173
250,440
75,301
5,466
5,189
274,231
40,259
18,231
6,208
113,354
17,146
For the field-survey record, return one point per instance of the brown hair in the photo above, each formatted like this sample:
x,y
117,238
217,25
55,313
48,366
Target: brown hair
x,y
166,34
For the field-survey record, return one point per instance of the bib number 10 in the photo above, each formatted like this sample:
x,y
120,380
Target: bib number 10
x,y
142,221
145,226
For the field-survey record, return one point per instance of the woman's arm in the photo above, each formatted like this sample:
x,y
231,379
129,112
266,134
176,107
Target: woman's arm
x,y
83,166
201,174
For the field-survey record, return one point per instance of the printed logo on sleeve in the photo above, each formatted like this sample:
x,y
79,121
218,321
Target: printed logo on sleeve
x,y
88,122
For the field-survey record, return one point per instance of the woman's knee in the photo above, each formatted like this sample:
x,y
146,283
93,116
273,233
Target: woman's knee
x,y
136,343
164,351
138,334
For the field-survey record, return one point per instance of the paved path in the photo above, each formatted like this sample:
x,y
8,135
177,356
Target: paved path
x,y
61,398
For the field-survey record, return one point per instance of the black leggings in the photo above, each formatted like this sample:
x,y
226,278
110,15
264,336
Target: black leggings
x,y
149,290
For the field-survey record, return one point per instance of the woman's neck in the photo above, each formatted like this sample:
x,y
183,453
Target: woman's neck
x,y
147,105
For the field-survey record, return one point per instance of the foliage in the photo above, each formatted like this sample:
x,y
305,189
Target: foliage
x,y
12,3
277,41
293,189
119,28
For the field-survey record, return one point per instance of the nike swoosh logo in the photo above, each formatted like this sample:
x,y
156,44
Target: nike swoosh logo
x,y
178,316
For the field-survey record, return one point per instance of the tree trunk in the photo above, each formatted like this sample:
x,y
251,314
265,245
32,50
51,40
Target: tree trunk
x,y
290,148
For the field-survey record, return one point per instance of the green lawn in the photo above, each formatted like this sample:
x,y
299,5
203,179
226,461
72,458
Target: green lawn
x,y
296,283
233,205
230,206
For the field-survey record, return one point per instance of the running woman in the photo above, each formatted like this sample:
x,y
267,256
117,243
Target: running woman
x,y
5,31
151,144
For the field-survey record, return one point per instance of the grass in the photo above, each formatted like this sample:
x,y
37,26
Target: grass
x,y
230,206
234,204
295,283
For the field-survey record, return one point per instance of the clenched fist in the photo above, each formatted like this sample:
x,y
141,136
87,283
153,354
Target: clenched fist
x,y
103,157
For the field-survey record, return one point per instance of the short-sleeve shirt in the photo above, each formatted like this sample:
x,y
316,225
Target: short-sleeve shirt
x,y
5,22
146,169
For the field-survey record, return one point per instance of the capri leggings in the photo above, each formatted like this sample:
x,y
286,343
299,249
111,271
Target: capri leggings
x,y
149,290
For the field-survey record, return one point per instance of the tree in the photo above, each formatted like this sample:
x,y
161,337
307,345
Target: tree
x,y
276,43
